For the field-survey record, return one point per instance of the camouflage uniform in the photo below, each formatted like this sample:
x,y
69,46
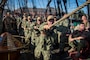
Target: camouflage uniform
x,y
44,44
43,47
18,22
23,25
62,31
35,35
29,26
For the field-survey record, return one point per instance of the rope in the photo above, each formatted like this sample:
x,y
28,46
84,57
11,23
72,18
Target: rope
x,y
63,18
18,36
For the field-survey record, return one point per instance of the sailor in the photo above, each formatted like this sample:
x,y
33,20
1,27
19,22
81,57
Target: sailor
x,y
77,40
85,21
46,40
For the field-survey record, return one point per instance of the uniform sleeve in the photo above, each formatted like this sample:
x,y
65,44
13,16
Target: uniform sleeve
x,y
88,24
22,25
66,23
32,26
42,26
49,44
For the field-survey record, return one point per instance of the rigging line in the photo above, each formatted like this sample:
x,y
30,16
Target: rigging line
x,y
35,3
46,9
77,3
16,3
61,8
13,4
65,2
48,6
39,3
43,3
34,7
27,6
61,5
22,3
58,8
49,1
32,3
7,5
10,5
28,2
25,3
68,3
19,3
20,7
55,6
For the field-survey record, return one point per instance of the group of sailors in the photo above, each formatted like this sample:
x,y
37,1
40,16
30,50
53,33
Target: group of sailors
x,y
43,37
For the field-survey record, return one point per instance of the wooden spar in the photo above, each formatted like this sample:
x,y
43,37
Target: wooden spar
x,y
20,7
65,2
63,18
58,3
48,6
77,3
55,7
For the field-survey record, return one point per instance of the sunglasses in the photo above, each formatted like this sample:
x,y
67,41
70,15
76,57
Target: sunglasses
x,y
51,20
